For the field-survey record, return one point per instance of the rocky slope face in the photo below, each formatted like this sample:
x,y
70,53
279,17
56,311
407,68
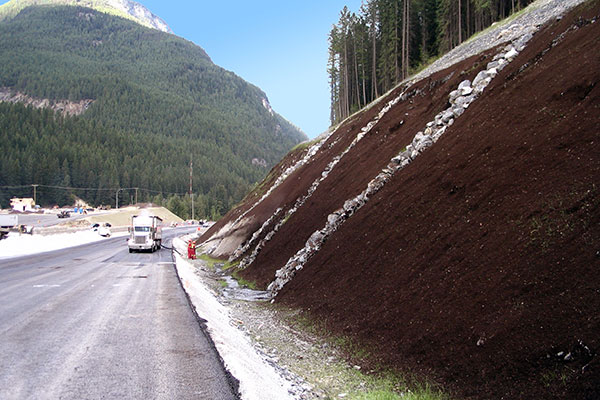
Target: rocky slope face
x,y
124,8
65,107
452,229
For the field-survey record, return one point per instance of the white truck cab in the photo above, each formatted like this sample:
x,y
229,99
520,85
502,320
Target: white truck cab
x,y
145,233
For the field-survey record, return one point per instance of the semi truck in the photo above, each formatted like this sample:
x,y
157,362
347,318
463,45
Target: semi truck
x,y
145,233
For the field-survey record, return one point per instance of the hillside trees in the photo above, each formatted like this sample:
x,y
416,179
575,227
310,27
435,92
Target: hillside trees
x,y
157,99
372,51
59,153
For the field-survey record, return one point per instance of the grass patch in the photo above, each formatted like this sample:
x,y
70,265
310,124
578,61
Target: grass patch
x,y
303,145
391,386
222,283
227,267
426,393
504,22
210,262
242,281
286,218
551,378
422,65
231,269
350,380
261,187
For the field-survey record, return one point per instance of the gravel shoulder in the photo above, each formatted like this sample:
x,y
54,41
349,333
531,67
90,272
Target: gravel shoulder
x,y
312,364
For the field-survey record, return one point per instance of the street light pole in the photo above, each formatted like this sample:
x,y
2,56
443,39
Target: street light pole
x,y
191,193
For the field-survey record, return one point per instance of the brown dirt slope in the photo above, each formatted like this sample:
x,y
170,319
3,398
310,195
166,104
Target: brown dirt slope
x,y
255,195
478,265
365,160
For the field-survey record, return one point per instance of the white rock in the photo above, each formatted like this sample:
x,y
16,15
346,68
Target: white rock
x,y
425,143
480,77
440,132
511,54
492,64
448,115
332,219
453,95
465,83
465,91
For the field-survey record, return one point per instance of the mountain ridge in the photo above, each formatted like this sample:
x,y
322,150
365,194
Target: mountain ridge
x,y
123,8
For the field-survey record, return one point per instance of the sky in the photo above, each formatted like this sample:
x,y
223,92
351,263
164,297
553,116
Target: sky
x,y
278,45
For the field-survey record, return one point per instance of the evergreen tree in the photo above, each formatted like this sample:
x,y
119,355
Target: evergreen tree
x,y
370,53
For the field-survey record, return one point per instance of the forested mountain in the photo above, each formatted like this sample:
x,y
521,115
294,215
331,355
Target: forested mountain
x,y
370,52
156,101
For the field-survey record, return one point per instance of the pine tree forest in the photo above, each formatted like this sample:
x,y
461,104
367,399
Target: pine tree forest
x,y
157,102
373,50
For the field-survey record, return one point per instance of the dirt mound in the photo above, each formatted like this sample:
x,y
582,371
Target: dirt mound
x,y
477,264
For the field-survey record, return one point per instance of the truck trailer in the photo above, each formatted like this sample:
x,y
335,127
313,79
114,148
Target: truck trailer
x,y
8,222
145,233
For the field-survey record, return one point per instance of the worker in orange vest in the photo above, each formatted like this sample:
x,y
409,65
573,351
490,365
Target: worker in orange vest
x,y
192,250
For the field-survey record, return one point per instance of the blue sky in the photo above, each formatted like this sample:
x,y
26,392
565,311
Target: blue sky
x,y
278,45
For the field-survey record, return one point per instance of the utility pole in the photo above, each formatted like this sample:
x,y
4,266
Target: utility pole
x,y
34,193
136,190
117,201
191,179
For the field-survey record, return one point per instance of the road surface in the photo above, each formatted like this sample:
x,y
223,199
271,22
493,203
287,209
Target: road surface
x,y
97,322
45,220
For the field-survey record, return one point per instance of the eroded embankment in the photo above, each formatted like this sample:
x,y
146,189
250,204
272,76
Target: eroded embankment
x,y
478,263
452,228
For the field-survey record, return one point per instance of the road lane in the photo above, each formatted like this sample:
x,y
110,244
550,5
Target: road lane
x,y
45,220
98,322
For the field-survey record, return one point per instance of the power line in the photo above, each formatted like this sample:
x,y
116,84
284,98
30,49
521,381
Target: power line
x,y
16,187
90,189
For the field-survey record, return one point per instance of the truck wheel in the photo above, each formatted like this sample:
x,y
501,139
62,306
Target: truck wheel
x,y
131,250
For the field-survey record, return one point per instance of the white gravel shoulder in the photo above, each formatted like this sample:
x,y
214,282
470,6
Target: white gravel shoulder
x,y
258,380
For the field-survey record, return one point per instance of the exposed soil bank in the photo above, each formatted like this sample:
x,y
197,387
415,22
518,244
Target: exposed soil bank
x,y
477,264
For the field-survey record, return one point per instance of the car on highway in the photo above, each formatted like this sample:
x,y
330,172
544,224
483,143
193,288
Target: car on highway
x,y
104,230
64,214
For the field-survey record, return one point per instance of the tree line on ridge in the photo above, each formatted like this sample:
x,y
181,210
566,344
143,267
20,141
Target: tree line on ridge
x,y
373,50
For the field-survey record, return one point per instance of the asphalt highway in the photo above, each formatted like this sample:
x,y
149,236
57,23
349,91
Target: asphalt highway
x,y
44,220
96,322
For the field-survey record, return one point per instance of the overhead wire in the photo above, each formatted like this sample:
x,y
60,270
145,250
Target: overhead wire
x,y
89,189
